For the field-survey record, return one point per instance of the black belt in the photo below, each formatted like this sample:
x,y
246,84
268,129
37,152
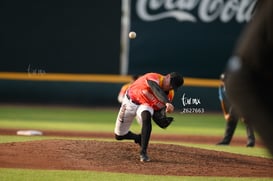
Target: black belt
x,y
135,102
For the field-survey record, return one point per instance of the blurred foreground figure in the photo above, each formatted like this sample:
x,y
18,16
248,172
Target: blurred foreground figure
x,y
249,81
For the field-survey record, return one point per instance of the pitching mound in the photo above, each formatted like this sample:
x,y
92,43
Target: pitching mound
x,y
123,157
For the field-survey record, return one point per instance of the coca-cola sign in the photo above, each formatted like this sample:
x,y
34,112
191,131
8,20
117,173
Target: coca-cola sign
x,y
196,10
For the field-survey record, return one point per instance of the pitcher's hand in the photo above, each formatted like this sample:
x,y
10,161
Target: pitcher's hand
x,y
169,108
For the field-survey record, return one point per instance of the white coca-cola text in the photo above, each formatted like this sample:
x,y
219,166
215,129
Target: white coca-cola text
x,y
196,10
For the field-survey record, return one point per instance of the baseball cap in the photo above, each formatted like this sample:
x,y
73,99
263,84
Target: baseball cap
x,y
177,80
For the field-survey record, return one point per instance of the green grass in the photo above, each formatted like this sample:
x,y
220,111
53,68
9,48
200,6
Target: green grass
x,y
58,175
56,118
69,175
103,120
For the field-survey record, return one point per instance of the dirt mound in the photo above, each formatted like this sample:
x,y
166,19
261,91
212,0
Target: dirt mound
x,y
123,157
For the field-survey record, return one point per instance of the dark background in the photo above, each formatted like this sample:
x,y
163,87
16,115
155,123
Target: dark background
x,y
195,49
60,36
83,37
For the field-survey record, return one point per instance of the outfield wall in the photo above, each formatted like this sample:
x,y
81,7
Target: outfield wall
x,y
91,94
193,37
60,36
95,90
71,52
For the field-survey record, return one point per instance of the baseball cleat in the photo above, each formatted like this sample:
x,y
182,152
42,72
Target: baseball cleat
x,y
250,144
144,158
223,143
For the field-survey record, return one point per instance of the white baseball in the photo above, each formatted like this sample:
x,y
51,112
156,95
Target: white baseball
x,y
132,35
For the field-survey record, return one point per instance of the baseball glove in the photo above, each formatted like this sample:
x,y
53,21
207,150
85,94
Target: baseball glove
x,y
161,119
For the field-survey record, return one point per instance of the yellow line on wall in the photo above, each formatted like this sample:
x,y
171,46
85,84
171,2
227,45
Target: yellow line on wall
x,y
104,78
201,82
64,77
